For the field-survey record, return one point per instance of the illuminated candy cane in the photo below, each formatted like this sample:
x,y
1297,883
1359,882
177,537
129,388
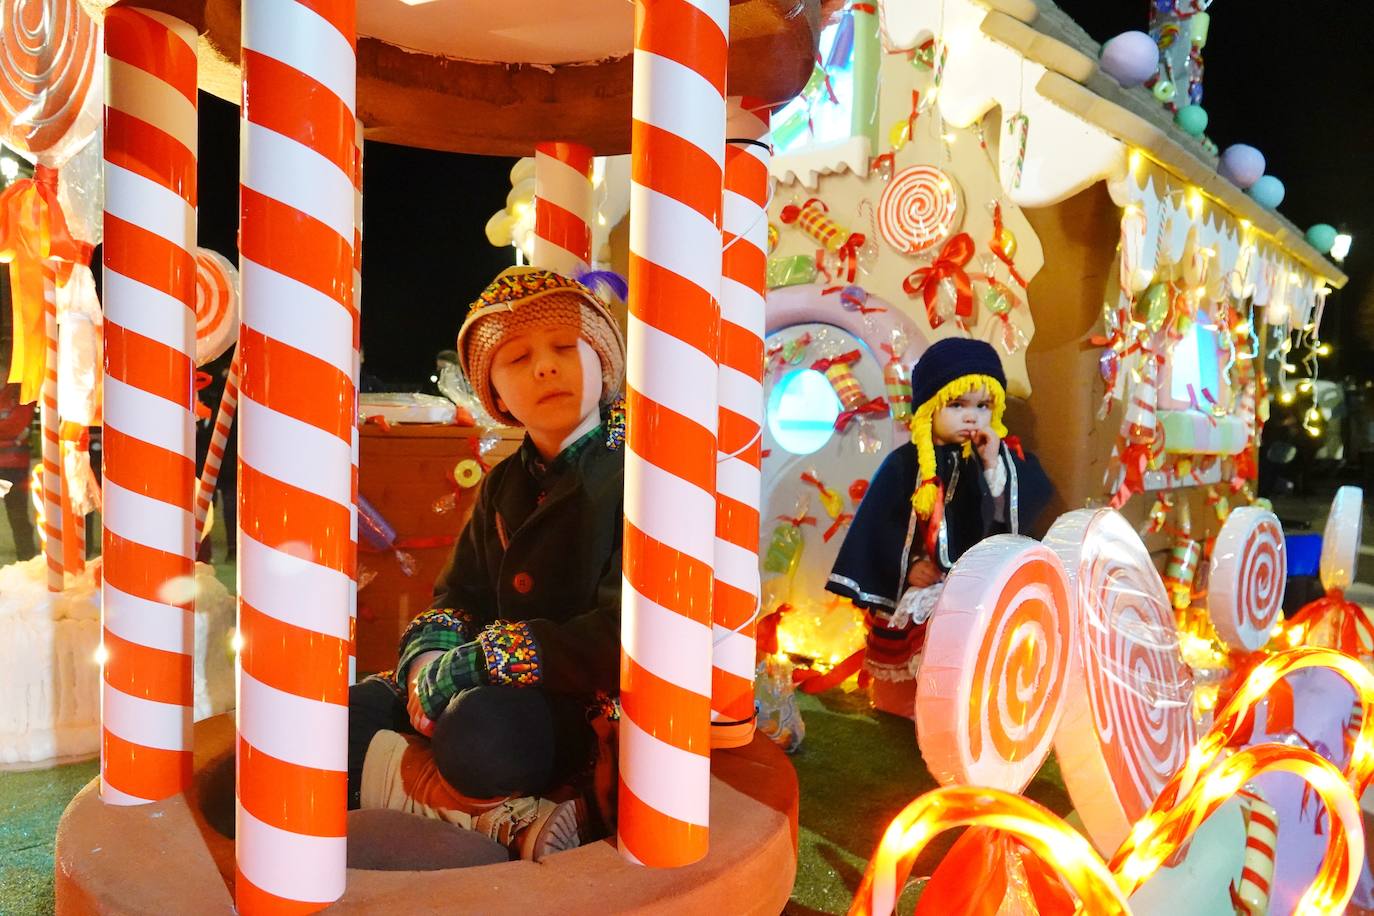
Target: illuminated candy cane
x,y
996,665
1261,844
670,463
149,457
740,386
296,419
563,207
219,438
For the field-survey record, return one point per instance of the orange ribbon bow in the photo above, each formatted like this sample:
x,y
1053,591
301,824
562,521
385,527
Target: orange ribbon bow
x,y
35,243
954,256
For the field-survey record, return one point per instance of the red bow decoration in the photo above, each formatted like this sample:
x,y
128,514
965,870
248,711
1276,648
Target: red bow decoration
x,y
844,359
844,518
203,380
798,521
35,242
999,250
874,408
983,869
954,256
1013,444
1134,461
1245,469
1351,630
809,680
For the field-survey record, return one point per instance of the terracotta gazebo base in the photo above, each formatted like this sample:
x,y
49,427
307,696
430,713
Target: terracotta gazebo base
x,y
171,858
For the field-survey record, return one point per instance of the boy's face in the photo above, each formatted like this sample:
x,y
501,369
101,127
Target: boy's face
x,y
548,378
958,420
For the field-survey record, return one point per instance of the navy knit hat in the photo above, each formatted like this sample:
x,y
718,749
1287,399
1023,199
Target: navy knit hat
x,y
950,359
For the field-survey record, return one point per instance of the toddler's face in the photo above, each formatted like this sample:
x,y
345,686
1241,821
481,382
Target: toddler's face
x,y
547,377
958,420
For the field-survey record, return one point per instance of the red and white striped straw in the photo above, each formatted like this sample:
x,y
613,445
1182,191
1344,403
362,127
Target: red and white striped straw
x,y
296,414
149,454
357,371
743,283
670,465
563,206
49,424
219,438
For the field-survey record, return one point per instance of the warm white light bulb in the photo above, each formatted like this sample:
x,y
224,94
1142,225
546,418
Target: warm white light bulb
x,y
1340,248
9,167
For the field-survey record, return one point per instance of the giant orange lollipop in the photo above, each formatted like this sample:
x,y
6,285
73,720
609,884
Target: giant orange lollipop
x,y
1127,723
47,62
991,686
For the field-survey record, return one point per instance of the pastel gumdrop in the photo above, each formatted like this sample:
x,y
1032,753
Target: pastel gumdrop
x,y
1242,165
1267,191
1321,237
1130,58
1164,90
1192,119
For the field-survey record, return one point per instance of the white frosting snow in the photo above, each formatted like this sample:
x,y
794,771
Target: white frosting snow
x,y
49,675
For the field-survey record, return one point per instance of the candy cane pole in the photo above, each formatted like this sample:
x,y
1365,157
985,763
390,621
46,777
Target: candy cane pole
x,y
357,311
740,386
563,206
214,459
296,418
149,466
49,422
670,465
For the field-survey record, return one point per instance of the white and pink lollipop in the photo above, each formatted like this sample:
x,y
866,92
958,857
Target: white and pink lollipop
x,y
918,209
991,686
1249,568
1127,724
217,305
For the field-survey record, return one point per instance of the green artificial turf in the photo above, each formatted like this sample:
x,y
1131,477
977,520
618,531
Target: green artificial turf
x,y
30,805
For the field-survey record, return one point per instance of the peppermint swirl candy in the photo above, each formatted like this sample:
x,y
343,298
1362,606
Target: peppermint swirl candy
x,y
47,63
217,305
1128,722
1249,568
996,665
918,209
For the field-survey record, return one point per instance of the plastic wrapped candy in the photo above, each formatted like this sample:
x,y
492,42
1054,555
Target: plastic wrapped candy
x,y
897,377
1181,570
786,543
791,270
376,532
831,500
775,703
841,377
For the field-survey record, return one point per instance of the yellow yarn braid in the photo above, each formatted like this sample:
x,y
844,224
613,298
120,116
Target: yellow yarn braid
x,y
922,434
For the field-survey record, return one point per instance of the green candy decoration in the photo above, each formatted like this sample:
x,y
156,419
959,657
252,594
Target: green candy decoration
x,y
1193,120
996,300
1152,309
791,270
1164,90
1198,26
1321,237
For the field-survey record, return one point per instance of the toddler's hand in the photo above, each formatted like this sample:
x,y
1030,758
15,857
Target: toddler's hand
x,y
924,573
989,446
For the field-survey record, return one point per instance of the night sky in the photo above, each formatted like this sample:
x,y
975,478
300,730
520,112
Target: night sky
x,y
1291,79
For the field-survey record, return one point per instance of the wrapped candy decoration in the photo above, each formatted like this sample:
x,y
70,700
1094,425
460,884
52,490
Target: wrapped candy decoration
x,y
841,377
1001,302
812,218
897,377
791,270
1184,555
786,543
775,704
378,535
831,500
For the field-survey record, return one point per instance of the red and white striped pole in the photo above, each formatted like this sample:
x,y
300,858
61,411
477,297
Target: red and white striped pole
x,y
149,454
219,438
357,372
296,416
670,465
563,207
743,285
49,423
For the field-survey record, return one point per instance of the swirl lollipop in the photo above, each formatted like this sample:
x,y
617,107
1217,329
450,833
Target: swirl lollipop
x,y
992,681
1127,723
47,62
217,305
1341,539
1249,568
918,209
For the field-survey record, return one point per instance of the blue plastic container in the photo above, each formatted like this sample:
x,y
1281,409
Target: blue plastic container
x,y
1304,554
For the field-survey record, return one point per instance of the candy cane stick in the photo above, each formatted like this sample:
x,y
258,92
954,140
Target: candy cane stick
x,y
52,446
296,420
680,55
1261,844
563,206
149,466
209,475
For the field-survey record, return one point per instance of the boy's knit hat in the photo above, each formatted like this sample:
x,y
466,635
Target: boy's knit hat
x,y
522,297
949,369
